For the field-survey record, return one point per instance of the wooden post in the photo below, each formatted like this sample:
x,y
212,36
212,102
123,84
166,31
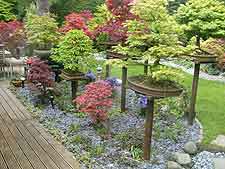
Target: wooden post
x,y
192,112
123,89
74,86
146,67
148,129
107,71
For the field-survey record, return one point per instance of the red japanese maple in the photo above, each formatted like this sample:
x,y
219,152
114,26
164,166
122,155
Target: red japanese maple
x,y
96,101
40,73
115,28
78,21
7,29
121,8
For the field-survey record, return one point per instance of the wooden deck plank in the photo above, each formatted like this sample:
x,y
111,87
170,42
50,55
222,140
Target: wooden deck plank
x,y
33,158
2,162
28,140
8,154
17,151
4,94
15,100
55,146
46,160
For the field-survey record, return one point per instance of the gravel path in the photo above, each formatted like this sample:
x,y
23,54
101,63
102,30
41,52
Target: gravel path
x,y
191,71
204,160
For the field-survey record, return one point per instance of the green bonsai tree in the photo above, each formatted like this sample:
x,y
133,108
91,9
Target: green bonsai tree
x,y
6,13
75,52
41,31
153,37
202,19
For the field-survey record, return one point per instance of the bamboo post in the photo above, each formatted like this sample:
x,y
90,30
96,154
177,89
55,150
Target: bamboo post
x,y
123,89
74,86
192,112
146,67
148,128
107,71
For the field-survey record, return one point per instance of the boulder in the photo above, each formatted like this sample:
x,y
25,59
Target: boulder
x,y
190,148
219,141
173,165
182,158
219,163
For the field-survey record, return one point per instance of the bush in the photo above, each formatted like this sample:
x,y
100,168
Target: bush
x,y
78,21
41,31
7,29
41,77
62,8
96,101
202,19
75,52
115,27
41,73
6,13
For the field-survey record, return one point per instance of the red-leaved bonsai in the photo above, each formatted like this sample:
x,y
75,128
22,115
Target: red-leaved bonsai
x,y
40,76
7,29
78,21
96,101
115,28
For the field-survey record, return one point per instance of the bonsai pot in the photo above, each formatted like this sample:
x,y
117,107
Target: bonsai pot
x,y
203,58
109,44
114,55
135,83
16,83
43,54
72,75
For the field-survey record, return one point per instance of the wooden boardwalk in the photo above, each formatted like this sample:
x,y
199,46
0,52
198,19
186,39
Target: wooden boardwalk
x,y
24,144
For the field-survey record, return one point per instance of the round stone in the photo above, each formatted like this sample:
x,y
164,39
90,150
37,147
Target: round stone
x,y
190,148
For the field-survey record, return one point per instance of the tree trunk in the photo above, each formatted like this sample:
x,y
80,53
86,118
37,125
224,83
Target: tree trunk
x,y
198,41
43,7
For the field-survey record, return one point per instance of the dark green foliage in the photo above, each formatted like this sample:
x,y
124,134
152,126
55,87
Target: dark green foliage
x,y
63,7
19,7
173,5
202,19
6,11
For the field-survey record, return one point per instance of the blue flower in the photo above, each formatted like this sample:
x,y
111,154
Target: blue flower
x,y
143,101
90,75
112,81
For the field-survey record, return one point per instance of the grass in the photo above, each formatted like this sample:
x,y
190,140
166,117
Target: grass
x,y
210,102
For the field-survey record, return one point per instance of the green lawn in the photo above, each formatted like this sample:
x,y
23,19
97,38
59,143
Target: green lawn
x,y
210,103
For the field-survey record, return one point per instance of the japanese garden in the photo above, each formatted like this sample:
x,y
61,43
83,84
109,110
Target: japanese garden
x,y
112,84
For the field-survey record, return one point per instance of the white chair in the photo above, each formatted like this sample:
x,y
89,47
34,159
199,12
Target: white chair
x,y
9,62
13,61
2,59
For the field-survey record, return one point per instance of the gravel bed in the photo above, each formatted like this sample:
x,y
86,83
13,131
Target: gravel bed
x,y
115,156
204,160
202,75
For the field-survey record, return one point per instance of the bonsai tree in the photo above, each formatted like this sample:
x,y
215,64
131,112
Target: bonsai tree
x,y
114,30
8,29
96,101
41,77
41,31
217,48
153,37
202,19
78,21
6,11
75,52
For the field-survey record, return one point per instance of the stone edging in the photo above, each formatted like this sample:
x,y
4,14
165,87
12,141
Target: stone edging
x,y
201,131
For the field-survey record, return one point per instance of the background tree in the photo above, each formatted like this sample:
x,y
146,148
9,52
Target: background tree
x,y
43,6
202,19
62,8
6,11
173,5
